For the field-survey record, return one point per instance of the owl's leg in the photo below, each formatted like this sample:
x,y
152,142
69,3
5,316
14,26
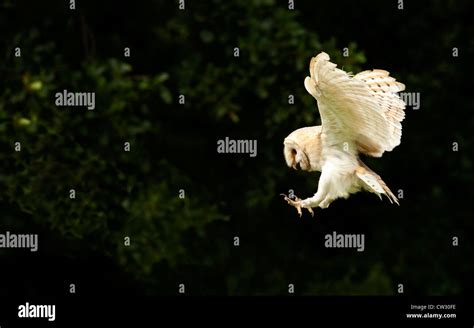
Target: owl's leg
x,y
326,202
314,201
322,194
307,203
297,204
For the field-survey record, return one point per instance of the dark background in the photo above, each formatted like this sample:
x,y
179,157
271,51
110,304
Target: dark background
x,y
173,147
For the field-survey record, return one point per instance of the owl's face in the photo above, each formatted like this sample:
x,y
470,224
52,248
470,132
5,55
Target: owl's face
x,y
302,149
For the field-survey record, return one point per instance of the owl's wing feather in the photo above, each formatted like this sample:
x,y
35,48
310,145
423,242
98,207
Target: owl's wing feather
x,y
364,110
374,182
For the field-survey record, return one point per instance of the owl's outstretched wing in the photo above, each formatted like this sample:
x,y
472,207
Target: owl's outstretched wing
x,y
363,110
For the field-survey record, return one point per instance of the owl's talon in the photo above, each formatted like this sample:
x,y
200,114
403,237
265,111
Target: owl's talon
x,y
297,204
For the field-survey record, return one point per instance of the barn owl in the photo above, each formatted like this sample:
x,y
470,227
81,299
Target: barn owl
x,y
360,114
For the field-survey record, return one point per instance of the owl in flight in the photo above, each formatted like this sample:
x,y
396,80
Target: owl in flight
x,y
360,114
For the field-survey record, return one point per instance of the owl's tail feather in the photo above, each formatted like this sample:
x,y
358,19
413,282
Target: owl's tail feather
x,y
374,183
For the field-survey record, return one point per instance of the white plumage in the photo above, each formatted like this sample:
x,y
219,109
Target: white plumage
x,y
359,114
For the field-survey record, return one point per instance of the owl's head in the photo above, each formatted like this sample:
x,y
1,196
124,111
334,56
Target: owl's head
x,y
303,148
